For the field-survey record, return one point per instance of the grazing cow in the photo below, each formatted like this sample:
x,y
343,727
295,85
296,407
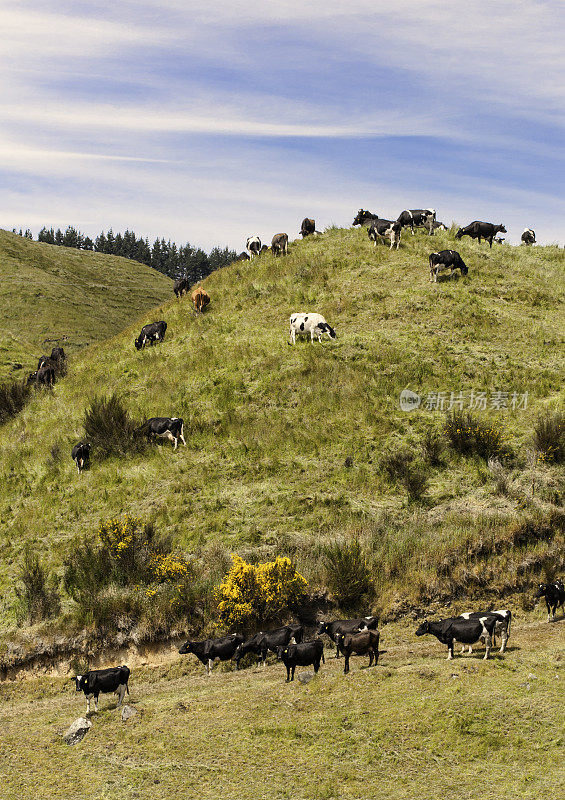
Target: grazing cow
x,y
279,244
503,621
362,643
446,259
253,246
466,631
200,299
181,287
313,324
210,650
378,229
308,227
345,626
529,236
439,226
264,249
44,376
151,333
262,642
481,230
171,428
301,655
243,256
554,594
103,681
418,218
81,455
364,218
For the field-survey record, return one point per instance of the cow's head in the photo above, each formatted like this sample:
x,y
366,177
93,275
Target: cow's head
x,y
138,343
325,328
322,628
361,215
81,683
464,269
502,229
186,648
459,233
424,628
281,652
542,589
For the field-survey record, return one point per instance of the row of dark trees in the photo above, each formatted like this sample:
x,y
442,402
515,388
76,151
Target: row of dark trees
x,y
164,256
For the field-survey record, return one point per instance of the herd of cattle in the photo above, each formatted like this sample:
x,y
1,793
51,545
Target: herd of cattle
x,y
351,637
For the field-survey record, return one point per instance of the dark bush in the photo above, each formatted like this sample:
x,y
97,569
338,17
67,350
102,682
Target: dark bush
x,y
472,436
109,428
415,481
549,437
13,397
347,573
433,446
396,463
37,600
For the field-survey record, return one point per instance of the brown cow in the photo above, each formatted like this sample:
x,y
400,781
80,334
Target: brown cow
x,y
280,244
200,298
308,227
362,643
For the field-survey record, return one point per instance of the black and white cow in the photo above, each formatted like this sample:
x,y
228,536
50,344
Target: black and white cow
x,y
466,631
529,236
439,226
503,622
262,642
279,244
81,455
151,333
481,230
554,594
378,229
210,650
171,428
103,681
418,218
181,286
443,260
344,626
309,324
301,655
364,218
308,227
253,246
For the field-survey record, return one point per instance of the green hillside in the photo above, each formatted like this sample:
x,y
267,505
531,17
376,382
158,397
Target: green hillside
x,y
287,446
73,296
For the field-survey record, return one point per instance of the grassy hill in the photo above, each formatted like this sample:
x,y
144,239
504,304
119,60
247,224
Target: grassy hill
x,y
287,447
77,297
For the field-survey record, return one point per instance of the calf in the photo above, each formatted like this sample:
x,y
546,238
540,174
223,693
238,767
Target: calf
x,y
378,229
279,244
151,333
313,324
418,218
364,218
502,627
181,286
253,246
345,626
446,259
529,236
262,642
200,299
301,655
554,594
171,428
481,230
243,256
103,681
362,643
466,631
81,455
308,227
210,650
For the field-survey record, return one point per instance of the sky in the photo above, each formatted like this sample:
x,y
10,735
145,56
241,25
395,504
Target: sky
x,y
209,122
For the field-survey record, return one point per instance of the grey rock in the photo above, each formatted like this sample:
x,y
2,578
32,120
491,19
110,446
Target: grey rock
x,y
128,712
305,677
77,731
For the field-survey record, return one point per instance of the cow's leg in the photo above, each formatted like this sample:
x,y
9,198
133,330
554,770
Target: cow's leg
x,y
96,703
504,634
450,650
181,435
292,673
88,703
121,691
288,674
548,611
488,645
346,665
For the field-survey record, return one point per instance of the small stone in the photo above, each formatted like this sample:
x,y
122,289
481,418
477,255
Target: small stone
x,y
77,731
305,677
128,712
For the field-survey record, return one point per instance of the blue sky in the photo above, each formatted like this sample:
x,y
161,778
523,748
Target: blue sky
x,y
210,122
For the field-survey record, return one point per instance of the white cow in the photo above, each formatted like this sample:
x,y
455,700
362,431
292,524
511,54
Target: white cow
x,y
313,324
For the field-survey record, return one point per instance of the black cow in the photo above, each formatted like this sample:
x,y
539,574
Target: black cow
x,y
466,631
151,333
418,218
481,230
171,428
103,681
344,626
362,643
181,286
378,229
262,642
529,236
44,376
308,227
301,655
554,594
503,622
243,257
364,218
446,259
210,650
81,455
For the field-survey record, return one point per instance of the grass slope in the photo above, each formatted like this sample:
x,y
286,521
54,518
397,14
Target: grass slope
x,y
49,292
415,726
269,427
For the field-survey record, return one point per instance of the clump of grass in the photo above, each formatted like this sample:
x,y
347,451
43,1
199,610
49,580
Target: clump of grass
x,y
549,437
472,436
13,397
110,429
500,476
347,573
37,600
400,465
433,447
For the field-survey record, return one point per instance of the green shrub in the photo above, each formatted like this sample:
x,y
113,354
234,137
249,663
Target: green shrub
x,y
347,573
415,481
471,436
433,446
37,601
86,571
396,462
13,397
549,437
109,428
